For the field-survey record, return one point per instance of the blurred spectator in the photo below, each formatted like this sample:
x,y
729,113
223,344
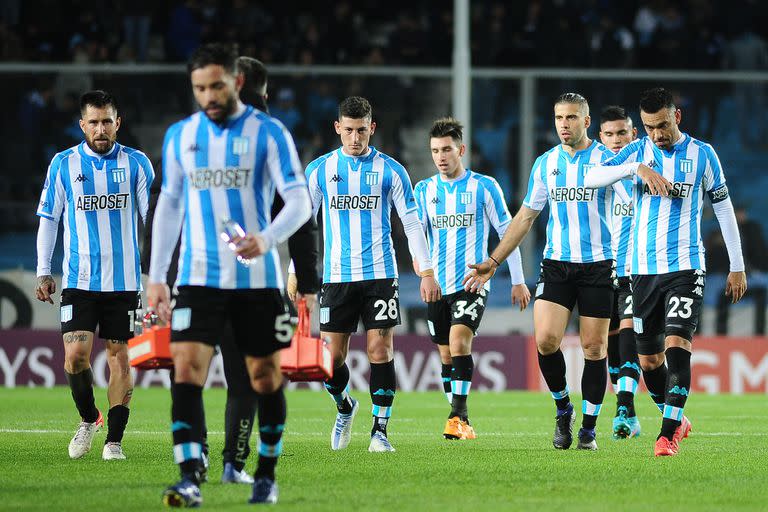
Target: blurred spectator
x,y
285,110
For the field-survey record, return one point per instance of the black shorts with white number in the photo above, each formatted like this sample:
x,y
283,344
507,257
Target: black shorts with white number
x,y
462,307
622,307
113,312
666,303
258,319
591,285
375,301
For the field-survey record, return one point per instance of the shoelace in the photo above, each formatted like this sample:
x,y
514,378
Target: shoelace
x,y
82,431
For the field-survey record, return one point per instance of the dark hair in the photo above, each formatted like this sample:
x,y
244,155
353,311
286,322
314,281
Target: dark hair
x,y
254,89
653,100
97,99
573,97
355,107
614,113
224,55
447,127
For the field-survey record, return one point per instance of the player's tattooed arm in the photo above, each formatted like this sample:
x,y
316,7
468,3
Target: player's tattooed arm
x,y
46,287
76,337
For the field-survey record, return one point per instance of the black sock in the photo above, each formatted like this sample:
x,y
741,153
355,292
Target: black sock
x,y
187,417
678,387
238,424
382,387
461,381
445,374
272,413
553,369
81,385
593,391
337,387
656,382
629,371
613,358
117,419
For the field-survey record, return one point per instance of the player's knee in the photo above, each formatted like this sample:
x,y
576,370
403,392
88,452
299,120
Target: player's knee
x,y
650,362
266,380
379,353
76,361
547,343
595,349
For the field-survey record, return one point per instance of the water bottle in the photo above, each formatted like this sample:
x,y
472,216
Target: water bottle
x,y
232,233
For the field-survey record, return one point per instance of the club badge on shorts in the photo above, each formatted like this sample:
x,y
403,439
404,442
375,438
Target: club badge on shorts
x,y
66,313
181,319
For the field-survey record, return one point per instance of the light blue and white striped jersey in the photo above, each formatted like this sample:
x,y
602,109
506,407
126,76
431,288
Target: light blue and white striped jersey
x,y
357,195
579,226
100,198
458,216
622,229
222,172
667,233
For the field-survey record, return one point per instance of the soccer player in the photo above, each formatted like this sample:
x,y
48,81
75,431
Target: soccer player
x,y
357,186
672,172
616,131
577,266
457,207
224,163
99,187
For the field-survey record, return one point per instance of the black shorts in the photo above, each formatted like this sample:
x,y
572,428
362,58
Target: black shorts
x,y
668,304
113,312
591,285
258,320
462,307
622,305
342,305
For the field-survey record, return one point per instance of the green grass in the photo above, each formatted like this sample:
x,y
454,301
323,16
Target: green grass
x,y
511,466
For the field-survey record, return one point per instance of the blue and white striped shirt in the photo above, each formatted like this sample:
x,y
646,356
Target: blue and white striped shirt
x,y
357,195
100,198
457,216
579,226
225,172
623,228
667,233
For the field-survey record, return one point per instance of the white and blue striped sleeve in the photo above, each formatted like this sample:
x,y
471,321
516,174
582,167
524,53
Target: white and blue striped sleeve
x,y
419,193
402,191
537,194
714,178
405,204
146,176
53,197
282,158
173,173
498,213
315,192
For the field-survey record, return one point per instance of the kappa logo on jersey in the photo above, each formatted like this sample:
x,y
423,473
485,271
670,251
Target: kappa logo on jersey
x,y
231,177
371,179
578,194
686,165
81,178
458,220
239,145
348,202
336,178
465,197
435,200
555,172
679,190
118,175
193,148
102,202
652,164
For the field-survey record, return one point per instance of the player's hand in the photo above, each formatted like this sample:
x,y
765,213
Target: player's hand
x,y
46,287
159,300
430,290
658,184
291,287
480,274
252,246
522,295
310,298
736,286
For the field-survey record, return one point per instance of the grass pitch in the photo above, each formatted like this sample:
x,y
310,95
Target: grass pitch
x,y
511,466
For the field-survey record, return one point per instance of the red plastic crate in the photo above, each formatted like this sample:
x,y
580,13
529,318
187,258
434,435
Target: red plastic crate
x,y
308,358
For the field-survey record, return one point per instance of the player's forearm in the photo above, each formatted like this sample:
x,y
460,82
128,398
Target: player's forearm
x,y
165,233
46,241
729,227
513,236
417,242
296,212
601,176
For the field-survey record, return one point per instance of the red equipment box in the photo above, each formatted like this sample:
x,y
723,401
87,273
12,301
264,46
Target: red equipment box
x,y
308,358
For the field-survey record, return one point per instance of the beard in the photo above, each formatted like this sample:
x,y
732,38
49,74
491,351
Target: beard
x,y
225,110
98,146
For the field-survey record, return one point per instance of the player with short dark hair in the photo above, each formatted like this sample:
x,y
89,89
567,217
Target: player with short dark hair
x,y
616,131
99,188
220,166
357,186
457,208
671,172
578,266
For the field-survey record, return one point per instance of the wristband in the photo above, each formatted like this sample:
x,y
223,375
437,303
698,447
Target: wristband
x,y
494,260
427,273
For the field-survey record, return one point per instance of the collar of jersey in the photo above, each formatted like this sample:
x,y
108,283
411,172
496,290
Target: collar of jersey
x,y
575,157
357,159
89,155
452,184
231,121
681,145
